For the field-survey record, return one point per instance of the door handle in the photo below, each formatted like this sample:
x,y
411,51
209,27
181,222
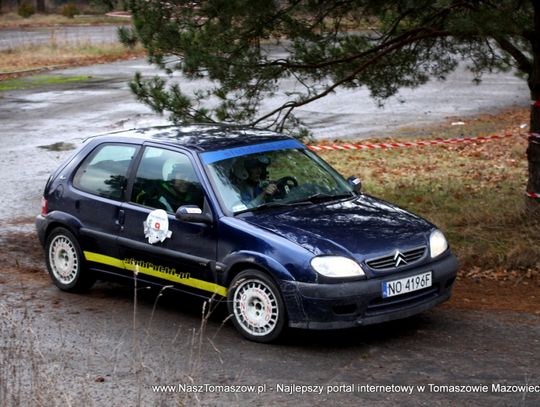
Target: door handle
x,y
121,218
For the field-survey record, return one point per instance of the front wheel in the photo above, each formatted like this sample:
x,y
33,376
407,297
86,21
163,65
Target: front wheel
x,y
256,306
65,262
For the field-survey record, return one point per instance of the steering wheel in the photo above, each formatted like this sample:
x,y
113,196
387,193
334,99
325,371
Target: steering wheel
x,y
284,184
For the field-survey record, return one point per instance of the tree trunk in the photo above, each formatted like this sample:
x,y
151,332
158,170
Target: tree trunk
x,y
40,6
533,150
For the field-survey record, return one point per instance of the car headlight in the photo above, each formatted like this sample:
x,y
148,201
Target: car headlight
x,y
336,266
437,243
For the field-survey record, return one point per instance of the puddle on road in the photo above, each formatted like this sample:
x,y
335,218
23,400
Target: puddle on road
x,y
59,146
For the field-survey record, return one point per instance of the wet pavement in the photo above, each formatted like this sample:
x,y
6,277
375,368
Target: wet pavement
x,y
110,346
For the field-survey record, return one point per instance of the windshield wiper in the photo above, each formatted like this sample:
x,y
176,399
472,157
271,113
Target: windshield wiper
x,y
315,198
323,197
272,204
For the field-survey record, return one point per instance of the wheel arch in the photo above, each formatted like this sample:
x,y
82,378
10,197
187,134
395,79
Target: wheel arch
x,y
62,220
243,260
237,268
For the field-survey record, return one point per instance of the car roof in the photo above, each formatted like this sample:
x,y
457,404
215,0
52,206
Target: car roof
x,y
200,138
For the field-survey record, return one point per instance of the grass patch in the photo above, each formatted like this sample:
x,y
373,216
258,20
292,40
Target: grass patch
x,y
35,81
474,192
13,20
57,55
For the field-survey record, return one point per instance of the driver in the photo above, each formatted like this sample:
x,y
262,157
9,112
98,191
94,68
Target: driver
x,y
252,183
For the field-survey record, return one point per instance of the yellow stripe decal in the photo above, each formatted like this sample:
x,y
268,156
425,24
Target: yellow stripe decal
x,y
168,274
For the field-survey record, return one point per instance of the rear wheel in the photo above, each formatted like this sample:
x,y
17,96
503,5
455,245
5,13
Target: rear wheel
x,y
256,306
65,262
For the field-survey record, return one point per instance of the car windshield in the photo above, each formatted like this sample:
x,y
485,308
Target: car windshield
x,y
278,177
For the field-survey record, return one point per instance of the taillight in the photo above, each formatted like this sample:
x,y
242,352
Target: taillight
x,y
44,206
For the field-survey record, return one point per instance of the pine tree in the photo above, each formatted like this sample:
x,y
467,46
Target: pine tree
x,y
382,45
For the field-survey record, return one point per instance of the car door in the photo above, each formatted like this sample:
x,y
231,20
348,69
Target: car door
x,y
157,246
97,192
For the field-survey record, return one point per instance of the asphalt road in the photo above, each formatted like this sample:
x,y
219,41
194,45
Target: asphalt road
x,y
105,348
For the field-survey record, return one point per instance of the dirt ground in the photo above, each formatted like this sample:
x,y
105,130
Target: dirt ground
x,y
485,294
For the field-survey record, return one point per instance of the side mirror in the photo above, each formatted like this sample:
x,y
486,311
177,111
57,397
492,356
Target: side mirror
x,y
355,183
192,213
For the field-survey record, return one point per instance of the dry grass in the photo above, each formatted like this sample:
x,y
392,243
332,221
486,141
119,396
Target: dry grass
x,y
23,60
474,191
58,55
13,20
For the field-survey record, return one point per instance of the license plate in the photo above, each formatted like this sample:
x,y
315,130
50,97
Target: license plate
x,y
406,285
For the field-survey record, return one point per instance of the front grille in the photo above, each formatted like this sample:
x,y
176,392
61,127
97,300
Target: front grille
x,y
397,259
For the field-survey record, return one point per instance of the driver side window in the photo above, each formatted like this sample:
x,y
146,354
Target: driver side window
x,y
166,180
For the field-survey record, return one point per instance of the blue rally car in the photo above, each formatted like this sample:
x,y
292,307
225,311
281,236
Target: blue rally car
x,y
250,216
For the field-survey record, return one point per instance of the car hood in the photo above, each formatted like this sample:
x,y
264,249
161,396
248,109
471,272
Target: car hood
x,y
364,227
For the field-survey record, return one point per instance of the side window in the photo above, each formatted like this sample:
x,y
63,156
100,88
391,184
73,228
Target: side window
x,y
166,180
104,171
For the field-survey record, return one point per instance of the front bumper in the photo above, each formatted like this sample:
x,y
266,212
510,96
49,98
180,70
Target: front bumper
x,y
346,305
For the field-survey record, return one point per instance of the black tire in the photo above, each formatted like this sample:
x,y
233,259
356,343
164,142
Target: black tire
x,y
256,306
65,262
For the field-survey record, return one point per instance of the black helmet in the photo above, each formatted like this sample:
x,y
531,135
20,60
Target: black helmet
x,y
261,161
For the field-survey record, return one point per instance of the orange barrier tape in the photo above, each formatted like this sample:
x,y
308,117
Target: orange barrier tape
x,y
405,144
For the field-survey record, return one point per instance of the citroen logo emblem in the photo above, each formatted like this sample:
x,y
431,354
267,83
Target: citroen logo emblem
x,y
399,258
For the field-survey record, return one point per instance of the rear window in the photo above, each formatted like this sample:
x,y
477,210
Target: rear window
x,y
104,171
